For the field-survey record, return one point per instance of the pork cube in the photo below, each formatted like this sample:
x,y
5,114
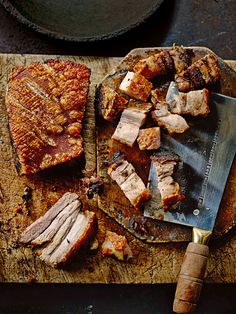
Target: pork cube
x,y
136,86
117,246
127,129
173,123
149,138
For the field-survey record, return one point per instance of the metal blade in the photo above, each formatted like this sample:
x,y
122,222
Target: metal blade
x,y
207,150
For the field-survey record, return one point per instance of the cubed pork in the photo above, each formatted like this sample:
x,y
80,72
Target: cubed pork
x,y
136,86
149,138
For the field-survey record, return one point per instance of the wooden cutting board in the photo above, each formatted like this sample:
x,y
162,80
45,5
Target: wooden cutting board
x,y
156,263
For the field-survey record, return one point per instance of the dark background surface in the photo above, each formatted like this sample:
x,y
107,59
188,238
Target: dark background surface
x,y
209,23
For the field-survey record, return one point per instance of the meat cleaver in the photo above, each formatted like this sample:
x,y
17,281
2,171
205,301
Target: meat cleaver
x,y
207,152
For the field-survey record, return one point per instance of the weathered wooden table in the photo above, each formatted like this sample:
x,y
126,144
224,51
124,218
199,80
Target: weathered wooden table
x,y
159,263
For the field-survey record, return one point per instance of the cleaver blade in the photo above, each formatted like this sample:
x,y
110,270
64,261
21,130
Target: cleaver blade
x,y
207,153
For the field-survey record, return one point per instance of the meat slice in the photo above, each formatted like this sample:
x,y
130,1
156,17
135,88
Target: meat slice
x,y
204,71
165,164
45,104
158,64
117,246
173,123
123,173
136,86
41,224
128,127
164,62
77,232
111,104
195,103
62,231
149,138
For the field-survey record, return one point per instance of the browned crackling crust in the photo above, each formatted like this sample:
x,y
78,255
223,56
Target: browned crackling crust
x,y
45,104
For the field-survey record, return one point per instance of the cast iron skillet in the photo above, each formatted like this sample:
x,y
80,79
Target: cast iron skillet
x,y
82,20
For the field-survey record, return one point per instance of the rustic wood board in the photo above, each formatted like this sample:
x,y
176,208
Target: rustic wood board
x,y
159,263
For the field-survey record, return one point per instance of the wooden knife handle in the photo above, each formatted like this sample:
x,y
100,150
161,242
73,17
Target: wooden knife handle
x,y
191,278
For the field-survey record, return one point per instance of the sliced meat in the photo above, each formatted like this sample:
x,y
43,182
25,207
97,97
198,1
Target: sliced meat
x,y
123,173
164,62
117,246
173,123
127,129
75,233
165,164
158,64
149,138
110,103
41,224
45,104
136,86
62,231
195,103
48,234
204,71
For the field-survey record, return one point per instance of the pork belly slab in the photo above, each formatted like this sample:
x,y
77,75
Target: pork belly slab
x,y
117,246
164,62
149,138
45,104
165,164
194,103
204,71
123,173
128,127
173,123
61,231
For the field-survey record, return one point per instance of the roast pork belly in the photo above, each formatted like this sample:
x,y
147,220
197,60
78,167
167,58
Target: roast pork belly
x,y
61,231
164,62
45,104
204,71
123,173
128,127
195,103
173,123
117,246
149,138
111,104
165,164
136,86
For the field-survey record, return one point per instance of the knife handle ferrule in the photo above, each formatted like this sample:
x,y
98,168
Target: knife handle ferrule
x,y
201,236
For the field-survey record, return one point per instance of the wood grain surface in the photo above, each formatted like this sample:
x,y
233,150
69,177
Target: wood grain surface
x,y
152,263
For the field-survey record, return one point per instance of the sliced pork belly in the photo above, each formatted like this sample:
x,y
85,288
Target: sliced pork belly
x,y
123,173
45,104
62,230
204,71
149,138
165,164
158,64
111,104
136,86
76,232
40,225
127,129
173,123
195,103
117,246
164,62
